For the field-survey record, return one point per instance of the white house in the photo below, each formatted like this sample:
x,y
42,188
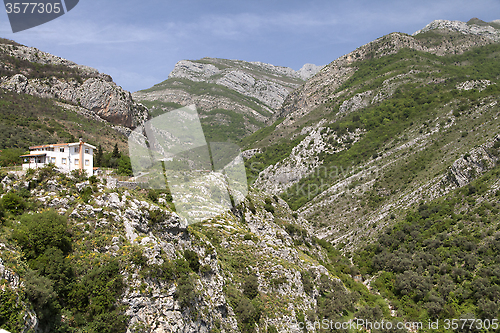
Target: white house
x,y
65,156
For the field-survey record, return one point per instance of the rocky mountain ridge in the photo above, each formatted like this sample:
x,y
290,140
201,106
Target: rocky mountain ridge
x,y
328,167
475,26
226,91
85,87
323,87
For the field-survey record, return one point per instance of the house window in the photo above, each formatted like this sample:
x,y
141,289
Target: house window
x,y
77,161
53,160
63,161
61,150
86,150
77,150
86,162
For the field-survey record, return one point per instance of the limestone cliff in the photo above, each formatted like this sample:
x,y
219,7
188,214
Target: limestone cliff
x,y
253,90
84,86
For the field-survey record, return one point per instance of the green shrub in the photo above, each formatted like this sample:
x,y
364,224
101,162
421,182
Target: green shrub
x,y
93,180
156,216
153,195
137,257
251,206
13,203
205,269
192,259
248,313
307,282
251,286
38,232
86,194
269,207
11,315
41,294
185,293
272,329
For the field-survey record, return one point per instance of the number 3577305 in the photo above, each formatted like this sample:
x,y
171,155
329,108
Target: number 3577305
x,y
33,7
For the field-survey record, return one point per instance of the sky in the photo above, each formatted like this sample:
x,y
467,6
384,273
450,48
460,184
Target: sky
x,y
139,42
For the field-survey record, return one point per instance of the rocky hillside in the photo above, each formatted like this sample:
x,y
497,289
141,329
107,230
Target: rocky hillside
x,y
114,260
27,70
234,97
400,120
375,197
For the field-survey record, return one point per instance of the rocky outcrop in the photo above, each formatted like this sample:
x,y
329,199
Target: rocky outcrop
x,y
304,159
88,89
473,164
105,99
480,85
309,70
34,55
267,85
483,30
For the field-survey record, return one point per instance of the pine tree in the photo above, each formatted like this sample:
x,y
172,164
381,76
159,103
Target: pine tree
x,y
98,156
116,152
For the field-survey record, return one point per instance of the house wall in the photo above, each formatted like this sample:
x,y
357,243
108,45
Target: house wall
x,y
68,160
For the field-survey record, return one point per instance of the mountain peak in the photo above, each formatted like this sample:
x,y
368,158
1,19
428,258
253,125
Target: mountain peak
x,y
474,26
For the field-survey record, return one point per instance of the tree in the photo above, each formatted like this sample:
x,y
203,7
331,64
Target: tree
x,y
99,156
39,232
116,152
125,166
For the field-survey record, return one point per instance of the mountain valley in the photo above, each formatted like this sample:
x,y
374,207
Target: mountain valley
x,y
374,194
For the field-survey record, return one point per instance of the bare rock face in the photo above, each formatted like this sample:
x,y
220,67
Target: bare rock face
x,y
94,92
186,69
105,99
309,70
266,83
473,164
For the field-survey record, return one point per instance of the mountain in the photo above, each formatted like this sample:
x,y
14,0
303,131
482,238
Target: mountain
x,y
47,99
234,98
365,116
27,70
374,198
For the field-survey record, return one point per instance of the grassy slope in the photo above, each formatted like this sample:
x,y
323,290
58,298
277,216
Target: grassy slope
x,y
27,120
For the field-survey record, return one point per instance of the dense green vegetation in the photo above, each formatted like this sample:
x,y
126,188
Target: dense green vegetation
x,y
442,260
113,159
230,128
